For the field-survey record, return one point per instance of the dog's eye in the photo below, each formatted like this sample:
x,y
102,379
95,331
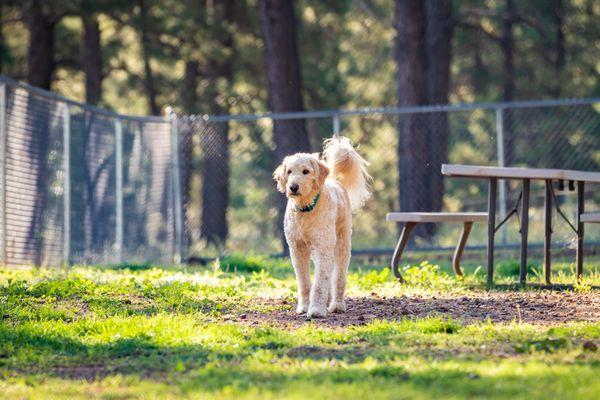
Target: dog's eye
x,y
289,171
305,172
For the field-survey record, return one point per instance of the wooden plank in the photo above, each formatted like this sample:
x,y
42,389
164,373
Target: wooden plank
x,y
590,218
436,217
479,171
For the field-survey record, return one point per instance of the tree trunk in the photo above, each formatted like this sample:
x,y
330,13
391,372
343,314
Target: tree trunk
x,y
40,68
92,59
559,46
438,39
556,142
3,48
187,132
508,78
214,140
480,74
412,145
282,61
189,95
40,55
149,85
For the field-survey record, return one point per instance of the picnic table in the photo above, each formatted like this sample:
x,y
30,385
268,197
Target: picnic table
x,y
526,175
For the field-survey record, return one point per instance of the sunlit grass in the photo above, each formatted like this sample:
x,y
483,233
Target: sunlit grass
x,y
164,332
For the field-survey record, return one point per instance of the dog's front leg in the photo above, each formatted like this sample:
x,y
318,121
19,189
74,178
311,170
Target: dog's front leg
x,y
319,292
300,256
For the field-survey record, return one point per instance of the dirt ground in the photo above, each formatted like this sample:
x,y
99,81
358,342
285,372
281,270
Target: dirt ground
x,y
537,307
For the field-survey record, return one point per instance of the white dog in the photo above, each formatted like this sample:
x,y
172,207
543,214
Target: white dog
x,y
322,193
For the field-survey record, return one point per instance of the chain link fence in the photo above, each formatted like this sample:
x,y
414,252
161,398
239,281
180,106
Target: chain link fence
x,y
79,184
243,150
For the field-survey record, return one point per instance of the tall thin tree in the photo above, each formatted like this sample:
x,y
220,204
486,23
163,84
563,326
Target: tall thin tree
x,y
278,23
438,39
91,55
214,140
507,44
412,91
40,53
149,84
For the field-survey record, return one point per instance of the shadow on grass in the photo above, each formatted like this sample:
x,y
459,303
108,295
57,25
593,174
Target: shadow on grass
x,y
55,355
195,368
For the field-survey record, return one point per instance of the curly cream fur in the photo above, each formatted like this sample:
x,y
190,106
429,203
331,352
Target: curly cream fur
x,y
322,235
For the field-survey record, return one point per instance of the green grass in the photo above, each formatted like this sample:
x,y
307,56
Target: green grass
x,y
139,331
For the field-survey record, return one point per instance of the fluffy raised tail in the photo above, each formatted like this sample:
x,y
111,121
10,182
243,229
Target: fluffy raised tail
x,y
349,169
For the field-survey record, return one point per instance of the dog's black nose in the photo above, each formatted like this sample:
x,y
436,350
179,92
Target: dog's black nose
x,y
294,187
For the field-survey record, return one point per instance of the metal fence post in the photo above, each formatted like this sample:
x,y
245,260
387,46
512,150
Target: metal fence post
x,y
66,116
336,125
3,137
176,180
119,190
501,163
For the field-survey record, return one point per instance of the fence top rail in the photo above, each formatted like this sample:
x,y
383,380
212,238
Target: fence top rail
x,y
307,114
396,110
53,96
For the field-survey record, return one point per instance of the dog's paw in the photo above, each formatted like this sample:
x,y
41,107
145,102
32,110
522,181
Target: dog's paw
x,y
337,307
301,309
316,312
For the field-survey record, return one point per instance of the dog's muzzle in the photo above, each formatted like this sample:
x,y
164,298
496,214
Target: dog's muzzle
x,y
294,189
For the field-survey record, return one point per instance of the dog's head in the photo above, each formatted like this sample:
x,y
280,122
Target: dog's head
x,y
301,176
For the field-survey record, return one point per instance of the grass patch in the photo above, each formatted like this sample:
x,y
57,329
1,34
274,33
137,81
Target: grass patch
x,y
178,332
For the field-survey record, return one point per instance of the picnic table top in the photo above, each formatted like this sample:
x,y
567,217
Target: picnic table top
x,y
481,171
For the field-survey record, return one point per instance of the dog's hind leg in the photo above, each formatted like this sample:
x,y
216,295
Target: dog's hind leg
x,y
300,256
338,284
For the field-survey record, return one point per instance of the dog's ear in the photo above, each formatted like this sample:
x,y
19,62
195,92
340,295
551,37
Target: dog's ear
x,y
280,176
321,173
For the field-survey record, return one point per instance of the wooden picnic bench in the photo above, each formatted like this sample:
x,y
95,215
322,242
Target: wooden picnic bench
x,y
410,219
493,174
590,218
576,181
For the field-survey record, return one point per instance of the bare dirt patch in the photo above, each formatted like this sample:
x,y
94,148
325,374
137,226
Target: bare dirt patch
x,y
538,307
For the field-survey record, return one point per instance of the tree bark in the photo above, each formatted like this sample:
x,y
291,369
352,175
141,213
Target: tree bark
x,y
92,59
559,46
282,61
149,84
508,78
278,24
40,54
189,94
40,68
214,140
412,128
3,49
187,133
438,38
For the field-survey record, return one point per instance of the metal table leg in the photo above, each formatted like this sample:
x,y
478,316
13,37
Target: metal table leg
x,y
402,241
524,230
461,247
491,229
548,232
580,210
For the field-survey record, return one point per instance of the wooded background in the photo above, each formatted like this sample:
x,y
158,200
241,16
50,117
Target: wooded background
x,y
232,57
221,56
